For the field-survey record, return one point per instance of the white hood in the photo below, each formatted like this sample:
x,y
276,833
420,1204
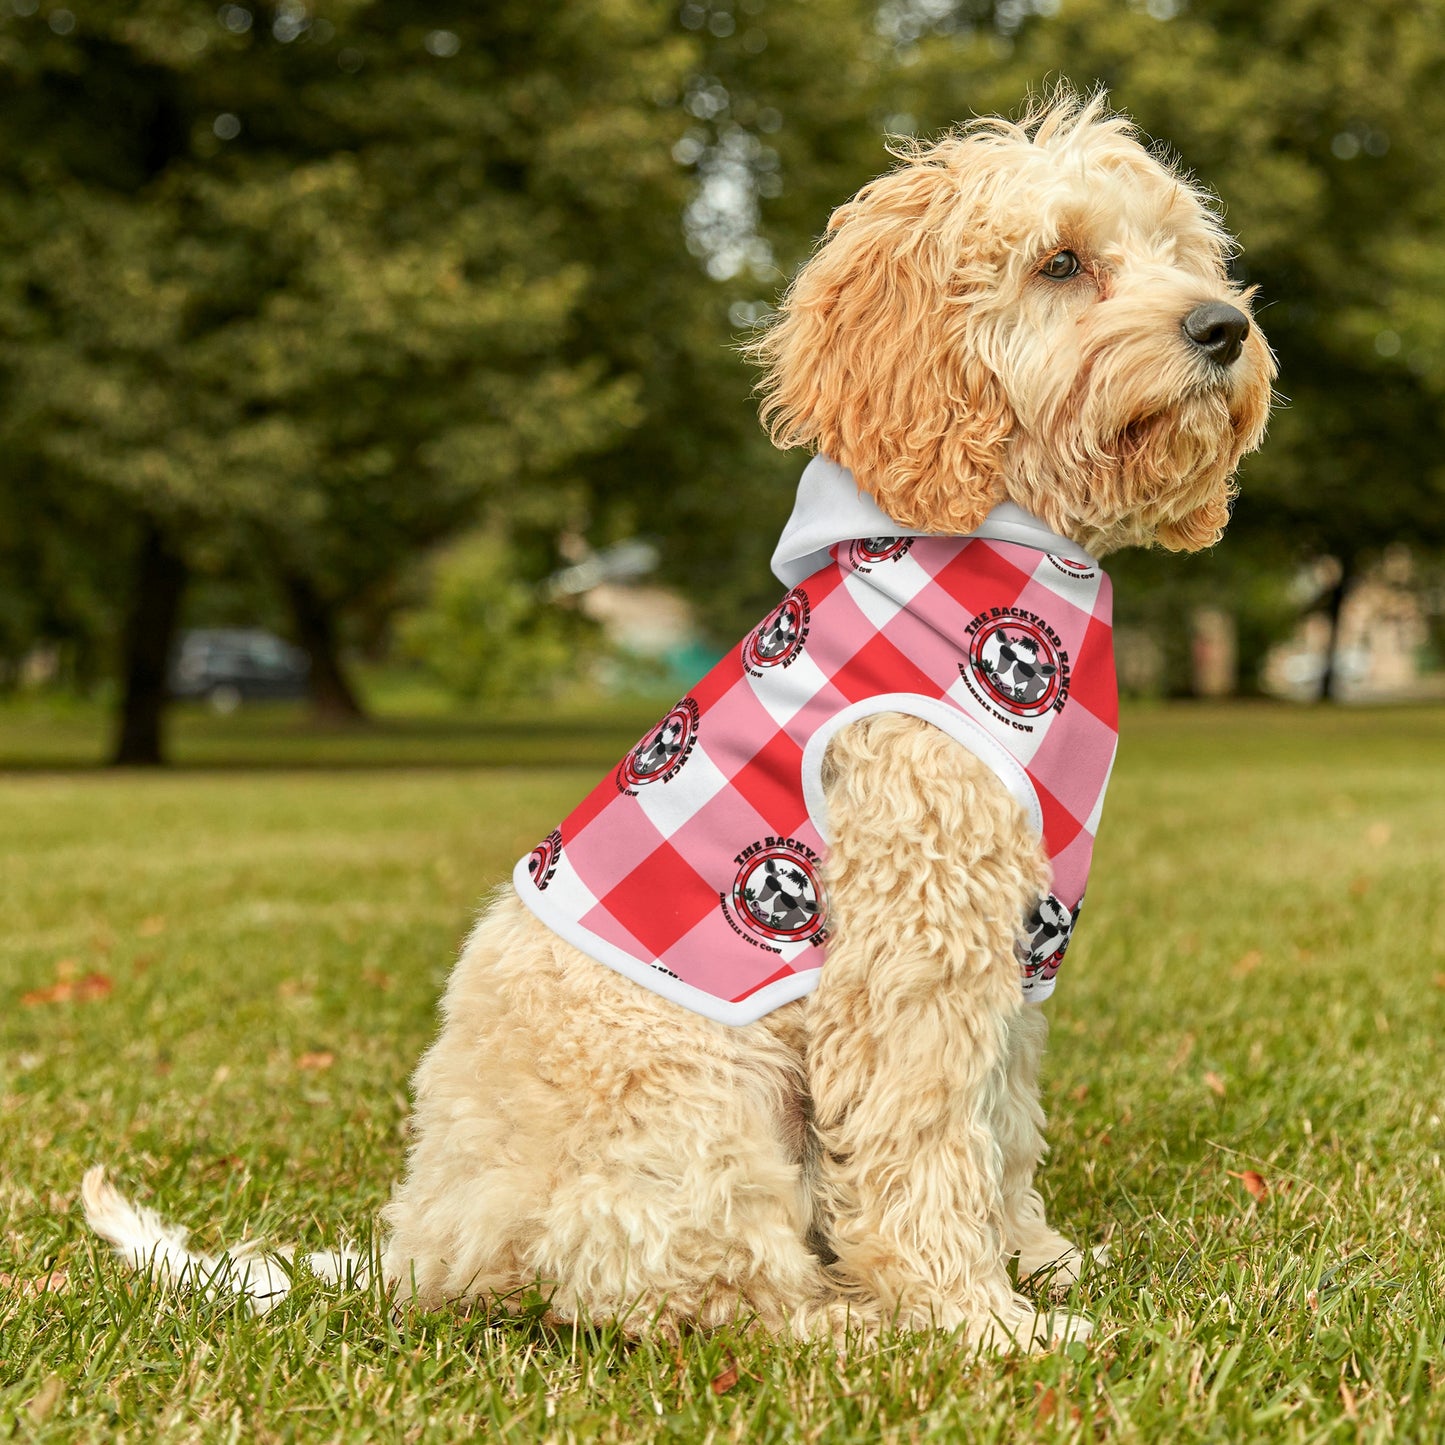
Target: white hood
x,y
830,509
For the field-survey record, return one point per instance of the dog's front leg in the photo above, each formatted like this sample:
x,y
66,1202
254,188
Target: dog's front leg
x,y
1042,1251
931,867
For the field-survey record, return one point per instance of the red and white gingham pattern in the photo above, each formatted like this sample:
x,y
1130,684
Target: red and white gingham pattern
x,y
694,867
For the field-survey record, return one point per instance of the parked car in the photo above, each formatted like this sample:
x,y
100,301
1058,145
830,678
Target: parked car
x,y
230,665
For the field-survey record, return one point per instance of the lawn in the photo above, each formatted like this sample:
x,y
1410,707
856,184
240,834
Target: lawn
x,y
217,979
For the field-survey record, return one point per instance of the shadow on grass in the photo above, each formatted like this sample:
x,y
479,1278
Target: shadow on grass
x,y
280,737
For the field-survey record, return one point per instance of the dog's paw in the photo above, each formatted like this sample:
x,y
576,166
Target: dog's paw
x,y
1059,1327
1023,1326
1058,1269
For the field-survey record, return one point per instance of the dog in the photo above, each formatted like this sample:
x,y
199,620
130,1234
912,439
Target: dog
x,y
1025,324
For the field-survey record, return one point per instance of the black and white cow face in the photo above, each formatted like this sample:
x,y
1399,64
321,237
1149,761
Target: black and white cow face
x,y
658,753
1019,671
787,899
1045,937
778,635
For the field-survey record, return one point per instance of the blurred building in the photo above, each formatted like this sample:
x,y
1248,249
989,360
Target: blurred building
x,y
1382,652
652,630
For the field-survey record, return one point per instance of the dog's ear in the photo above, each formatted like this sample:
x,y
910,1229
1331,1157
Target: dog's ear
x,y
874,358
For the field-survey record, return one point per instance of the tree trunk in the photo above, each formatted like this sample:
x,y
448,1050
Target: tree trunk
x,y
1335,605
333,699
150,629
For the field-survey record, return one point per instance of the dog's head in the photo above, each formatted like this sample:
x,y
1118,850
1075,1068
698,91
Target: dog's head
x,y
1037,312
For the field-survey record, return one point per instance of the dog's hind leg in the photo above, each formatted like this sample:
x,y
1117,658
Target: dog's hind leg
x,y
930,870
577,1134
682,1199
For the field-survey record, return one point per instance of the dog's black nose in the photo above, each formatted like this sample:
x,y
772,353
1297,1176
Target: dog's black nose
x,y
1218,331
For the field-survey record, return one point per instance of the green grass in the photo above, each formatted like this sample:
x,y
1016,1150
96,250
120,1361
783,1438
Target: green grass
x,y
1259,984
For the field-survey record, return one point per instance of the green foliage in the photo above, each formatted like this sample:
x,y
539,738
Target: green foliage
x,y
1250,862
307,286
316,287
488,635
1159,593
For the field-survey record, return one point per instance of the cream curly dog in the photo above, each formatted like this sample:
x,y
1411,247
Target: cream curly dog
x,y
1032,313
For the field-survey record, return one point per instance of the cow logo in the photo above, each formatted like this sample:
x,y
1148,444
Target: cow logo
x,y
657,758
778,639
1071,568
1017,662
778,892
1045,940
867,552
542,863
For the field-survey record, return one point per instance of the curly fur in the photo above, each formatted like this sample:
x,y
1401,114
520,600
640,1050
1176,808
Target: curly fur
x,y
653,1166
866,1156
921,348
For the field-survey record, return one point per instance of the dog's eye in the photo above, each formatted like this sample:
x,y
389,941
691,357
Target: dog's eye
x,y
1060,266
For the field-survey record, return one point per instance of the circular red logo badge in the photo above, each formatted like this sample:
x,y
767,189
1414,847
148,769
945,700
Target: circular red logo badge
x,y
778,894
663,751
1016,665
1046,938
868,552
779,637
542,862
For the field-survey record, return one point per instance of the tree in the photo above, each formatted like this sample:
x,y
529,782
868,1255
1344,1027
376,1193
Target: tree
x,y
297,286
778,117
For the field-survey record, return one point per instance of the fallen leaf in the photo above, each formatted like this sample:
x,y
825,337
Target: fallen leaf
x,y
1440,980
1248,963
1080,1094
56,993
56,1282
1214,1083
45,1399
1181,1054
724,1382
1046,1407
83,990
377,978
151,927
1254,1182
320,1059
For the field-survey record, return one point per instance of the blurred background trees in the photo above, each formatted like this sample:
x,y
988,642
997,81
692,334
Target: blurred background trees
x,y
293,295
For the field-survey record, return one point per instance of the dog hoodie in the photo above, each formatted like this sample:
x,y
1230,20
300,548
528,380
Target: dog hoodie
x,y
695,868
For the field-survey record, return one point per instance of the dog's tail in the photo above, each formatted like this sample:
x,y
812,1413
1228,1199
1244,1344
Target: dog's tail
x,y
147,1243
